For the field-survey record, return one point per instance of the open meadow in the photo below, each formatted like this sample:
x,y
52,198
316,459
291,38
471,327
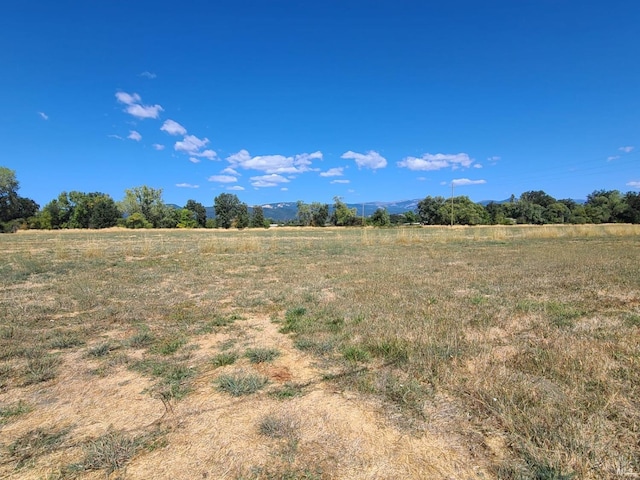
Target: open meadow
x,y
321,353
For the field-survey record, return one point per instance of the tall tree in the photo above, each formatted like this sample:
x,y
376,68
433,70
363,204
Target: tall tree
x,y
145,200
257,218
226,206
430,210
199,210
319,214
342,214
12,205
304,213
380,218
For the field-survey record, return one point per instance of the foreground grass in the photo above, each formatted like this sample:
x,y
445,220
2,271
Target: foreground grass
x,y
521,342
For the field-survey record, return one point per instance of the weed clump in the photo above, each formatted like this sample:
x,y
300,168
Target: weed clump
x,y
240,384
261,355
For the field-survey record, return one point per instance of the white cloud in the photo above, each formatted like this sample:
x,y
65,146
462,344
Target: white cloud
x,y
115,136
144,111
230,171
173,128
148,75
370,159
236,187
274,164
438,161
133,135
191,145
611,158
272,180
458,182
495,158
43,115
135,108
186,185
628,149
333,172
477,165
284,189
340,181
194,160
222,179
157,146
633,184
128,99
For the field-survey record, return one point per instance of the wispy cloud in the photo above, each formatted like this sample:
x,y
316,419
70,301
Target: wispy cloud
x,y
173,128
333,172
236,187
340,181
272,180
230,171
274,164
192,145
459,182
148,75
157,146
633,184
436,161
628,149
611,158
194,160
115,136
135,108
43,115
187,185
222,179
371,159
133,135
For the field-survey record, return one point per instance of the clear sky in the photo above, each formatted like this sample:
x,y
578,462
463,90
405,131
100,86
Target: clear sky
x,y
283,100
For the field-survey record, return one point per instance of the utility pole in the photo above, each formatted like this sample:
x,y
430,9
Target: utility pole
x,y
452,185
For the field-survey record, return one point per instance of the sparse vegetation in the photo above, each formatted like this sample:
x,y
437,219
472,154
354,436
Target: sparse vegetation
x,y
518,342
260,355
239,384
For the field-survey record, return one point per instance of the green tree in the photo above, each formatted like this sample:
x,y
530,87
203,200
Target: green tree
x,y
343,215
186,218
304,213
147,201
537,197
319,214
226,206
632,212
257,218
242,219
380,218
12,205
200,212
411,217
137,220
430,211
605,206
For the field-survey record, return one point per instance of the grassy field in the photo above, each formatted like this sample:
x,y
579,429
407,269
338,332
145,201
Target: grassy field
x,y
445,353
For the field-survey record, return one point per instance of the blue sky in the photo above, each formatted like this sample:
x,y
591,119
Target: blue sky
x,y
285,100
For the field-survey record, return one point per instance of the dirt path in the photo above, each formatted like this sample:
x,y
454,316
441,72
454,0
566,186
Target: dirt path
x,y
321,433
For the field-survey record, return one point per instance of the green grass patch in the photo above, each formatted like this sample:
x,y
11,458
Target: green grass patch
x,y
224,358
261,355
240,384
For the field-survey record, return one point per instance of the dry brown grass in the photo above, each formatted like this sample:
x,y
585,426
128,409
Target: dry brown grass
x,y
485,352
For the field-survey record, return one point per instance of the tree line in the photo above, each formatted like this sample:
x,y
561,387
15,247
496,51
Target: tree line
x,y
144,207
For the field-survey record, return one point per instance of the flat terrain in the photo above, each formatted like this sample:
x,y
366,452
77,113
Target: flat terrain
x,y
444,353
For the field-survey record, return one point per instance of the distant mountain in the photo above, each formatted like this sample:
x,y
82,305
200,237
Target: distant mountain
x,y
284,211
